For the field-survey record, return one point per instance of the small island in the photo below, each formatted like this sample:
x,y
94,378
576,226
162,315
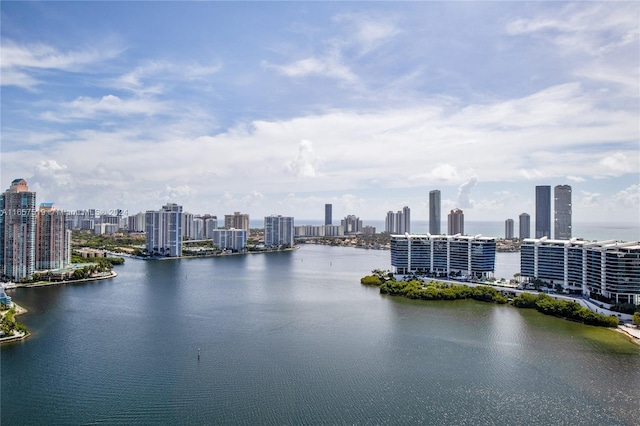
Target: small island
x,y
416,288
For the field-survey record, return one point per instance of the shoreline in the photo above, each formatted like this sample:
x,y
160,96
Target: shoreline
x,y
216,255
16,338
112,274
632,333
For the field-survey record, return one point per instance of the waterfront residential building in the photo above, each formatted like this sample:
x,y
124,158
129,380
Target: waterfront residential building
x,y
399,222
543,211
562,212
164,231
230,239
328,215
187,226
210,225
508,229
318,231
605,268
524,226
136,223
197,231
443,255
369,230
351,224
236,221
434,212
52,238
455,222
278,231
18,231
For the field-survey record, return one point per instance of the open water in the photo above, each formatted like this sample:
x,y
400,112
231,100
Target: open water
x,y
293,338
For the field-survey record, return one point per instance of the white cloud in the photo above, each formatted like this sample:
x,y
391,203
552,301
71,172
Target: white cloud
x,y
88,108
329,66
18,61
464,191
306,163
616,164
629,198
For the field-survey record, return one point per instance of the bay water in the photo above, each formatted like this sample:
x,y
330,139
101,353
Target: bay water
x,y
293,338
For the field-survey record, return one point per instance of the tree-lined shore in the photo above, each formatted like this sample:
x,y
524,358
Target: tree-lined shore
x,y
436,290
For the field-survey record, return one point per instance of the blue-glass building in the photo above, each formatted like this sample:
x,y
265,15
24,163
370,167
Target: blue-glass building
x,y
443,255
607,268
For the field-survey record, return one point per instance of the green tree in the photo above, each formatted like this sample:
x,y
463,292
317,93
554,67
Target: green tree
x,y
636,318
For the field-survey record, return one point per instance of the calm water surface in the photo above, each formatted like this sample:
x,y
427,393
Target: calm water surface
x,y
293,338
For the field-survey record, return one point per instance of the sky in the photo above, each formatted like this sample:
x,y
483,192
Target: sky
x,y
280,107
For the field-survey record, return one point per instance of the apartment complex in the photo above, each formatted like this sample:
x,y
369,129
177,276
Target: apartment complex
x,y
399,222
524,226
278,231
164,231
443,255
18,231
607,268
455,222
508,229
230,239
351,224
53,241
236,220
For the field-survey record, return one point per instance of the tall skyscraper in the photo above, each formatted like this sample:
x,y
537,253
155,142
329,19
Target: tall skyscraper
x,y
508,229
328,218
456,222
236,221
52,239
562,212
434,212
18,231
399,222
543,211
278,231
164,231
525,226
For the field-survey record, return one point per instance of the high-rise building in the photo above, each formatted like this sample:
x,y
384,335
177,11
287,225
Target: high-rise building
x,y
434,212
543,211
187,226
18,231
230,239
136,222
164,231
524,226
399,222
508,229
52,239
278,231
328,218
562,212
236,221
210,225
351,224
455,221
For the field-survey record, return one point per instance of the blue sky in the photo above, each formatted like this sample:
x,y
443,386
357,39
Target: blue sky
x,y
281,107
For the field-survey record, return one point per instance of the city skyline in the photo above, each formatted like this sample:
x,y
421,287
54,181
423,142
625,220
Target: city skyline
x,y
365,106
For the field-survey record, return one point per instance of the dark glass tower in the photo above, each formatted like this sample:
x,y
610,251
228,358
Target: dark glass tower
x,y
327,214
434,212
543,211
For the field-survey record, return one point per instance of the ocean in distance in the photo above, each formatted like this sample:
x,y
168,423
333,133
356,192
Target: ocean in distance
x,y
593,231
293,338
